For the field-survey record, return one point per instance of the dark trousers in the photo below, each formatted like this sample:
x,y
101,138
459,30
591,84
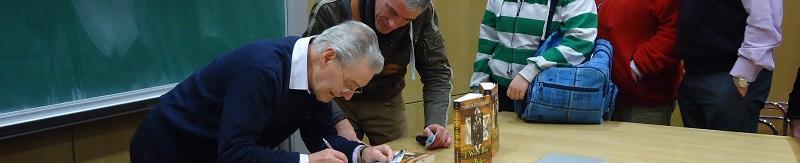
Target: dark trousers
x,y
506,104
382,121
711,101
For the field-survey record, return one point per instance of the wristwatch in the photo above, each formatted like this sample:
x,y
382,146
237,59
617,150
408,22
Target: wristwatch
x,y
361,155
741,82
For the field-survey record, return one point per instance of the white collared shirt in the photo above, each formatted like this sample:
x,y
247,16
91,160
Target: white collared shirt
x,y
298,79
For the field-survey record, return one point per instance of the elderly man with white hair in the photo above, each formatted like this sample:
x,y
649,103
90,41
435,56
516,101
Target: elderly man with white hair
x,y
247,101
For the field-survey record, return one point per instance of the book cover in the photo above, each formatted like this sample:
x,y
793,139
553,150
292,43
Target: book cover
x,y
490,89
475,127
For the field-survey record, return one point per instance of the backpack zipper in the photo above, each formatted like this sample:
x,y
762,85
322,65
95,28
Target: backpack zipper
x,y
571,88
579,89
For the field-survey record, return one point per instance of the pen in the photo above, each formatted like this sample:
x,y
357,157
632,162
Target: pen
x,y
326,143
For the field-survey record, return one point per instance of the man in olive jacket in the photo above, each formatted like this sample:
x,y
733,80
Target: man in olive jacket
x,y
378,110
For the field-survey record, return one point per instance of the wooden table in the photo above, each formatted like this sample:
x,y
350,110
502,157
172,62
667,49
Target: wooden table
x,y
626,142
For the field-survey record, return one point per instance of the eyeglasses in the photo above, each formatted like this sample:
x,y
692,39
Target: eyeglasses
x,y
351,86
358,90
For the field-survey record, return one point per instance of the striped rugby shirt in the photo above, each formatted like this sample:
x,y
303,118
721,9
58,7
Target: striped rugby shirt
x,y
511,31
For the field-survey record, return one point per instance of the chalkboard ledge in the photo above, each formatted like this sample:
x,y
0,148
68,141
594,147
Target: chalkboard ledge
x,y
28,121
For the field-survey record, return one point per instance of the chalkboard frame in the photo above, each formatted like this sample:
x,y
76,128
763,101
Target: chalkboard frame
x,y
48,117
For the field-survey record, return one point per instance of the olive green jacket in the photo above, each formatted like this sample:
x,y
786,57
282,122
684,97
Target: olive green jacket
x,y
428,56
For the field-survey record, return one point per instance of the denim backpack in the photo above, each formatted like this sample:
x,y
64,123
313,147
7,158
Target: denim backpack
x,y
580,94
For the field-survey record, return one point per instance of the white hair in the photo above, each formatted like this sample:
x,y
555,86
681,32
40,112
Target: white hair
x,y
352,41
420,5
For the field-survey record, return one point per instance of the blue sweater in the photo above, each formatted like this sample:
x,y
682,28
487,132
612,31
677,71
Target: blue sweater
x,y
237,109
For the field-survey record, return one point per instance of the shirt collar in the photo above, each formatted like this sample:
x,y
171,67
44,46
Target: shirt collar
x,y
299,73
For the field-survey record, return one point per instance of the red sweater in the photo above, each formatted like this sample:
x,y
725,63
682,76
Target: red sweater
x,y
642,31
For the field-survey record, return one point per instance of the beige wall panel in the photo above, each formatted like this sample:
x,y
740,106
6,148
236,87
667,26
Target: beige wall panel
x,y
676,117
787,56
460,21
311,4
413,91
106,140
49,146
415,118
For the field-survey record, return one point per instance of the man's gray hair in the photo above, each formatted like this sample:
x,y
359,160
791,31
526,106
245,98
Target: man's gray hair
x,y
352,41
420,5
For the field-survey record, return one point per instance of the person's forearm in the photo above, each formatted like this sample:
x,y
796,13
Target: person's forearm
x,y
656,54
436,111
436,95
435,72
346,130
762,35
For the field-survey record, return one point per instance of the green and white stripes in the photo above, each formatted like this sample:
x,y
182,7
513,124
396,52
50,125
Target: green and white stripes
x,y
510,34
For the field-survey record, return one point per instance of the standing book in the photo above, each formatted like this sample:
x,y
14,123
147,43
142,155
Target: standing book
x,y
475,125
490,89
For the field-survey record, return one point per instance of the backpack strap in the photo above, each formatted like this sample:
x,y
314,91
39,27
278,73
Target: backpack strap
x,y
551,12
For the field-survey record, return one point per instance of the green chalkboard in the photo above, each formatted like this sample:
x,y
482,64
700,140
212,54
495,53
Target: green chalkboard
x,y
56,51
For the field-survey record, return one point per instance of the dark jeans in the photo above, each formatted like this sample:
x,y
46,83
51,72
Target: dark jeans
x,y
711,101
